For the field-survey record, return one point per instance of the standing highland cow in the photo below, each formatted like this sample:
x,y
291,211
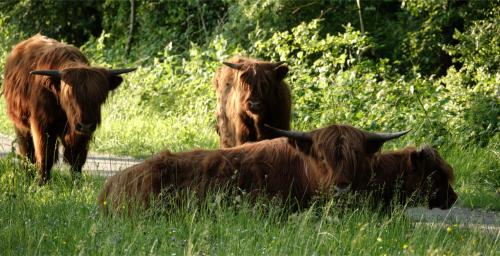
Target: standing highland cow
x,y
52,92
251,93
295,168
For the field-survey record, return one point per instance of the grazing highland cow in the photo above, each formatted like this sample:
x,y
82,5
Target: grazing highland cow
x,y
251,93
416,173
52,92
294,168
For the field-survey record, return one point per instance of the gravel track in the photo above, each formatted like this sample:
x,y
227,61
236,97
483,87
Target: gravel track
x,y
96,164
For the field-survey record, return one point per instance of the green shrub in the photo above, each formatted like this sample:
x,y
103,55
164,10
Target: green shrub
x,y
74,23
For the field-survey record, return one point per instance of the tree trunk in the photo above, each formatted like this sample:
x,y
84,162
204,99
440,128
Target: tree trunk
x,y
131,27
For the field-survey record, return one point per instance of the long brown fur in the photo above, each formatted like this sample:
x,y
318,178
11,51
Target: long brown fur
x,y
256,81
45,108
411,172
280,167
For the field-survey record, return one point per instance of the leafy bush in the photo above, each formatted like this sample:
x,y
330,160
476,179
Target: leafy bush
x,y
332,82
472,105
74,23
161,23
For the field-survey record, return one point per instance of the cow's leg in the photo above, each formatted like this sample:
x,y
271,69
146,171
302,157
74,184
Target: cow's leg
x,y
45,150
25,145
52,153
244,130
242,134
75,154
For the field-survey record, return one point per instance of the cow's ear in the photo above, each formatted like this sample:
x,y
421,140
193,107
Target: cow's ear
x,y
415,155
304,146
114,81
373,147
53,84
281,72
416,158
50,79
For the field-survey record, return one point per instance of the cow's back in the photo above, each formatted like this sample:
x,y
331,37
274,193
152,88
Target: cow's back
x,y
271,167
134,185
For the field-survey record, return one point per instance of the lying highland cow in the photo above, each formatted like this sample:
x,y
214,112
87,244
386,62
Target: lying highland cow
x,y
251,93
420,173
52,92
294,168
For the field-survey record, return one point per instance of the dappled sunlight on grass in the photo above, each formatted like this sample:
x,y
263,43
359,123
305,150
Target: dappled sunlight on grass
x,y
142,136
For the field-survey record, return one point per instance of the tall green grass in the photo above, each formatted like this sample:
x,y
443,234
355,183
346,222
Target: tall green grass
x,y
62,218
477,172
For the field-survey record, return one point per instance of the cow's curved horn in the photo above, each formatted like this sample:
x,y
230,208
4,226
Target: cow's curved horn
x,y
290,134
277,64
51,73
383,137
116,72
233,65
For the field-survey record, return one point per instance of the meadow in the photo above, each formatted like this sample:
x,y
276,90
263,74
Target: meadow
x,y
431,66
62,218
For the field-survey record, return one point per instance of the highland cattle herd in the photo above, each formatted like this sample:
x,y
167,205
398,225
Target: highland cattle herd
x,y
54,96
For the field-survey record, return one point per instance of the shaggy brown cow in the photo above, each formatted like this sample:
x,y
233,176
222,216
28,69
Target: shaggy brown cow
x,y
251,93
420,173
52,92
324,157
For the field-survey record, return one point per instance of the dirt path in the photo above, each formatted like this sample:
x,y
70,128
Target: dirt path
x,y
471,218
107,165
96,164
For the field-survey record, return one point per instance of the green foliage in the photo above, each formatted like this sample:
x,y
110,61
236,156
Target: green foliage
x,y
74,23
332,82
471,112
323,74
478,47
472,99
334,76
161,24
432,28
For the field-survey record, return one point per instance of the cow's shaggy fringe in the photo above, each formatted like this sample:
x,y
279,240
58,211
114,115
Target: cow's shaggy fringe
x,y
251,93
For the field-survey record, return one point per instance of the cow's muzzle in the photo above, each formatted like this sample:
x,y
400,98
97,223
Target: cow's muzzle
x,y
86,128
255,106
